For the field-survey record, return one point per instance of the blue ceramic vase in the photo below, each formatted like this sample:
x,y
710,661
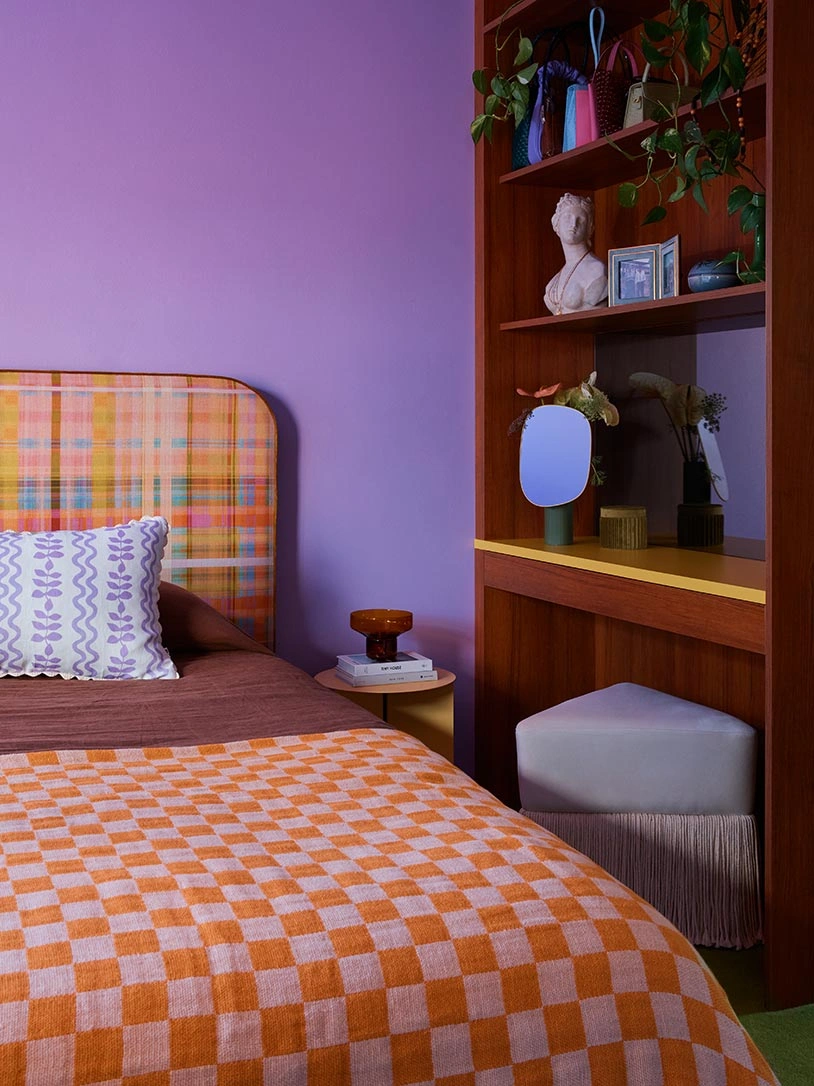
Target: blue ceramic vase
x,y
712,275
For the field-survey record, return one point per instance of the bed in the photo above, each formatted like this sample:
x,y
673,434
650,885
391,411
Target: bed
x,y
237,877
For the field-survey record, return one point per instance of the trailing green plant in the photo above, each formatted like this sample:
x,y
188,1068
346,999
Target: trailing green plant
x,y
698,156
507,90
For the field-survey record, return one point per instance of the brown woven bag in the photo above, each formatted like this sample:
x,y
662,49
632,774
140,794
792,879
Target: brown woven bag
x,y
609,86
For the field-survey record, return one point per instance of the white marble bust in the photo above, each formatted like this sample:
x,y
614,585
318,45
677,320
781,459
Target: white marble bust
x,y
582,282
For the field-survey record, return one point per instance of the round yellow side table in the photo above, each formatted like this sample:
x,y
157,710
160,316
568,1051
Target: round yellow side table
x,y
424,709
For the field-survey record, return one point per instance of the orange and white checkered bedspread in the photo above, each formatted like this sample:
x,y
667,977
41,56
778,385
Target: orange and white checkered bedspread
x,y
326,909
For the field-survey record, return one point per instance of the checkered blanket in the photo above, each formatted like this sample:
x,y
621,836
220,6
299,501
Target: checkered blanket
x,y
326,909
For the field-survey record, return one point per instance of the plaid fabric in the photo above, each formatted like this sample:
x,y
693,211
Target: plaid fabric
x,y
327,909
86,450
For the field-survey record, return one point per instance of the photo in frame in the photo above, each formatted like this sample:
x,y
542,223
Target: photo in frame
x,y
634,274
669,269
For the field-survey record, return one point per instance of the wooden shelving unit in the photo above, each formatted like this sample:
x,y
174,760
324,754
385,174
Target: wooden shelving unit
x,y
553,623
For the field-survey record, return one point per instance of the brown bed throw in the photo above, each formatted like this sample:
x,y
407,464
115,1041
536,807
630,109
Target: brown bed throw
x,y
231,688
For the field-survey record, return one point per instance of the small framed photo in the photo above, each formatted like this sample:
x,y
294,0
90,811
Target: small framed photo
x,y
669,269
634,274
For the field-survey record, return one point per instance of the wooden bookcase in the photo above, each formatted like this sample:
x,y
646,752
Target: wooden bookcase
x,y
736,634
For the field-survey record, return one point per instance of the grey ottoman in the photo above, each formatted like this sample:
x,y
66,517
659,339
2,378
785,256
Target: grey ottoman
x,y
660,792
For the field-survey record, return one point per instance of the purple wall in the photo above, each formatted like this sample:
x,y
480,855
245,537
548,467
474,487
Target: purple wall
x,y
281,193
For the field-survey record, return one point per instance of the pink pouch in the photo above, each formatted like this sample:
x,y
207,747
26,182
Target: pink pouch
x,y
586,115
584,111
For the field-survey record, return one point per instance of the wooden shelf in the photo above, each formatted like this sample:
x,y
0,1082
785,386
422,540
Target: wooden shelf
x,y
535,16
677,567
600,163
713,310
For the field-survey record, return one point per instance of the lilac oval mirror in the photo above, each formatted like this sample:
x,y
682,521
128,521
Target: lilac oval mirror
x,y
555,455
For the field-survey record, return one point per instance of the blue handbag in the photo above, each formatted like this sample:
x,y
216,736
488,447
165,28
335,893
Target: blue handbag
x,y
569,140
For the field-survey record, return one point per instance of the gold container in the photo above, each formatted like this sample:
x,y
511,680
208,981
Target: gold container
x,y
623,527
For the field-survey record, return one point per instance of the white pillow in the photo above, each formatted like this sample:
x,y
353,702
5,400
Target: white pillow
x,y
84,604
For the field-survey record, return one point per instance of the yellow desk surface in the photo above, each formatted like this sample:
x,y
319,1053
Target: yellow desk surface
x,y
717,574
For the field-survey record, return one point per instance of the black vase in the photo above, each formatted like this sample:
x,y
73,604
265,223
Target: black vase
x,y
700,523
696,483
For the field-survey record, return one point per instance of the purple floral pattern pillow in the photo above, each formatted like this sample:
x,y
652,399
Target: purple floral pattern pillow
x,y
84,604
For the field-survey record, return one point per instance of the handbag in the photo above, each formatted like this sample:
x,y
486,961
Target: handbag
x,y
608,89
580,119
648,100
520,137
548,115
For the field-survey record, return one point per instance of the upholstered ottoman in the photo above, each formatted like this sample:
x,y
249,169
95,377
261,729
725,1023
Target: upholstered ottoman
x,y
660,792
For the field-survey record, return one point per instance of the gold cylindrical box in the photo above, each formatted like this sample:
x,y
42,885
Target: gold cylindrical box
x,y
623,527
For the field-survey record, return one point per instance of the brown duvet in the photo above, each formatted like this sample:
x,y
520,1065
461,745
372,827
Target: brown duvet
x,y
231,688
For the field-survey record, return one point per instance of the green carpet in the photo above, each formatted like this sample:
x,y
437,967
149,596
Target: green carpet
x,y
786,1039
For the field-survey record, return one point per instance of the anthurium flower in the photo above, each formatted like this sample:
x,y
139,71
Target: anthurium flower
x,y
541,392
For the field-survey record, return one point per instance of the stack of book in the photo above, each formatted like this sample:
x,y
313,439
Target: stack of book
x,y
357,669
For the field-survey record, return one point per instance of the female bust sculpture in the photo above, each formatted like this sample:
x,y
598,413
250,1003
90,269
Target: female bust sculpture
x,y
582,283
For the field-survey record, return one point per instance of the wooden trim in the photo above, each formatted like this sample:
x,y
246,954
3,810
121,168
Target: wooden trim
x,y
790,518
735,623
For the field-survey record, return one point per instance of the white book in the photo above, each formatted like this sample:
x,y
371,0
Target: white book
x,y
391,678
358,663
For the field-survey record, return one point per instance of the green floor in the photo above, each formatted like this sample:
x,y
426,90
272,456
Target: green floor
x,y
786,1038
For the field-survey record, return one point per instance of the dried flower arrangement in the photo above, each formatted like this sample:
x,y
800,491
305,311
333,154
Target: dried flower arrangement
x,y
686,407
585,398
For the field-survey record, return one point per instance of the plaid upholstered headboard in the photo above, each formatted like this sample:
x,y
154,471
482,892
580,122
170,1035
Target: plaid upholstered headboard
x,y
84,450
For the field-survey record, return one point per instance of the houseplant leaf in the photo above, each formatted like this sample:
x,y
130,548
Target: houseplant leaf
x,y
670,140
680,190
655,56
751,217
480,80
739,197
655,214
697,45
478,126
524,50
690,155
733,65
628,194
714,85
655,30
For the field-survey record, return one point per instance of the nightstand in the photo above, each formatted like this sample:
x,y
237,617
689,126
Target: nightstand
x,y
424,709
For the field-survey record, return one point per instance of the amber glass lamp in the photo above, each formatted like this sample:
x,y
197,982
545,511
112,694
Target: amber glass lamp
x,y
381,629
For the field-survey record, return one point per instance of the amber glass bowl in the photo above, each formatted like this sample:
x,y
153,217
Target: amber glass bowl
x,y
381,629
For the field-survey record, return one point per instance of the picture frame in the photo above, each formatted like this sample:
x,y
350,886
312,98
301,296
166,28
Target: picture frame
x,y
634,274
669,268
